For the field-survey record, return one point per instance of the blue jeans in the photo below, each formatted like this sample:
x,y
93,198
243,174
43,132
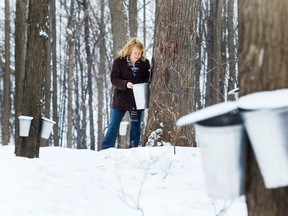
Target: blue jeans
x,y
112,132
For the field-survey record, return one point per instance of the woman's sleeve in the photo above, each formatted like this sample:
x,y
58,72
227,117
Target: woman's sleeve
x,y
116,76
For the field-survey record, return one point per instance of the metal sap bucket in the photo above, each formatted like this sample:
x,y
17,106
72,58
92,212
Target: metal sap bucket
x,y
24,125
141,95
46,127
123,128
222,145
266,123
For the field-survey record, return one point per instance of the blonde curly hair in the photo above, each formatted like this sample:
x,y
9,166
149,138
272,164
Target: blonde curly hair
x,y
133,43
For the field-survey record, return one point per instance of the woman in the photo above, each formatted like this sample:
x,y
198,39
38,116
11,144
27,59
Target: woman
x,y
129,68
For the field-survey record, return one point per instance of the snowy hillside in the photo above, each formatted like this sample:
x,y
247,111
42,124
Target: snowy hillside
x,y
142,181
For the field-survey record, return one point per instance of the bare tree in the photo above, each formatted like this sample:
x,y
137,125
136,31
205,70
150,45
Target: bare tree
x,y
119,34
7,101
89,54
144,22
20,56
217,38
232,29
200,67
82,66
47,82
133,24
173,72
101,74
118,24
35,69
215,79
54,72
80,94
263,66
71,44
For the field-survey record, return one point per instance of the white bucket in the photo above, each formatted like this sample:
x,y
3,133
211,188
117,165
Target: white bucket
x,y
265,116
46,127
24,125
222,139
123,128
141,95
267,131
223,150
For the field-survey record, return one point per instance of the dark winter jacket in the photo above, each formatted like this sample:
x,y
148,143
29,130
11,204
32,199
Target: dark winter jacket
x,y
121,73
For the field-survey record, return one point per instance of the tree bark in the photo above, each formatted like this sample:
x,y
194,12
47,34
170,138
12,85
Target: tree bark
x,y
199,65
89,71
119,25
101,76
119,35
35,69
133,24
78,103
144,23
20,56
47,82
214,79
71,44
172,92
263,66
54,72
7,100
232,48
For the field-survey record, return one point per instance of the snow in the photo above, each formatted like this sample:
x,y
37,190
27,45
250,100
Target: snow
x,y
264,100
140,181
43,33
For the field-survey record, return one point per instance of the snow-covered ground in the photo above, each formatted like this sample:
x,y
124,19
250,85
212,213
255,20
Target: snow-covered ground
x,y
141,181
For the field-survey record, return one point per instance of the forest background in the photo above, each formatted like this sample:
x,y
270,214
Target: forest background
x,y
56,58
88,35
77,91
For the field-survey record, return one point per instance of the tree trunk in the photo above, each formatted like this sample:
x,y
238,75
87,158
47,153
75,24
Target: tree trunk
x,y
20,56
222,35
232,48
214,79
199,65
80,109
133,24
7,101
35,69
101,76
144,23
263,66
47,83
119,35
89,71
172,93
54,72
77,106
119,25
71,44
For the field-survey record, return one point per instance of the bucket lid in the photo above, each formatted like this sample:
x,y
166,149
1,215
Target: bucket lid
x,y
25,117
264,100
208,112
140,84
48,120
234,91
